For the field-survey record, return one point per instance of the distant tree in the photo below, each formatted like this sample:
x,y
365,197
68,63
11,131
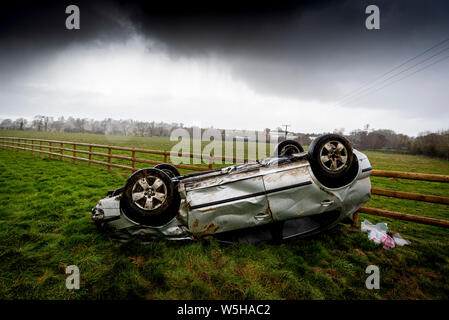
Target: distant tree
x,y
7,124
339,131
38,122
375,140
20,123
46,121
79,124
141,128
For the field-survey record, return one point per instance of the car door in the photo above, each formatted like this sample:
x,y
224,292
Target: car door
x,y
229,202
291,192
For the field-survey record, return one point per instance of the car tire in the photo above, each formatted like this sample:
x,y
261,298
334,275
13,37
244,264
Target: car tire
x,y
332,160
150,198
169,169
287,148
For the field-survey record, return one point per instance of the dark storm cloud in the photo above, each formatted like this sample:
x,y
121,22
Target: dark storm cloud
x,y
42,23
31,30
279,30
187,27
299,49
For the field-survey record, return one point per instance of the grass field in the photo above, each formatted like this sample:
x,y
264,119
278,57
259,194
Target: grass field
x,y
45,226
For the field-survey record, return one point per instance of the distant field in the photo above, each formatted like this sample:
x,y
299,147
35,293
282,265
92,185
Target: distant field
x,y
45,225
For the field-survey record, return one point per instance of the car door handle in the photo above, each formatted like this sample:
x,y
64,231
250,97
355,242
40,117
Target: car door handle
x,y
327,203
261,216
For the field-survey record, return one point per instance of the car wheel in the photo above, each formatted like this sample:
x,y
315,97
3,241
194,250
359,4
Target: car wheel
x,y
169,169
149,198
332,161
287,148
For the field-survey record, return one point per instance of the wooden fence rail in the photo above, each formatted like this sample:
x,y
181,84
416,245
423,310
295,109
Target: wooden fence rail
x,y
411,175
405,216
410,196
16,144
37,146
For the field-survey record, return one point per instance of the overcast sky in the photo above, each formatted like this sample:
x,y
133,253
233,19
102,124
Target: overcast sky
x,y
311,64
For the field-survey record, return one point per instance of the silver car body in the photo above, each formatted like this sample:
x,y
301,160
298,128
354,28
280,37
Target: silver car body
x,y
248,196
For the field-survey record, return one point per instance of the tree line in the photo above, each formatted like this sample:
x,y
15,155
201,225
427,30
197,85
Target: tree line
x,y
434,144
108,126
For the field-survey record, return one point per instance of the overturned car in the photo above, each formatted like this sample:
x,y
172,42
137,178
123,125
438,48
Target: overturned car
x,y
290,194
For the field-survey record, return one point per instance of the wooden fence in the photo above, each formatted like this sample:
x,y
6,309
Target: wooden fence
x,y
48,147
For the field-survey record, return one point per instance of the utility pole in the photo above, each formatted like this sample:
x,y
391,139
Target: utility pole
x,y
286,131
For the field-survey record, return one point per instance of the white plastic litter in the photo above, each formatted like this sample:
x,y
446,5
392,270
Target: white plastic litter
x,y
379,234
367,226
399,240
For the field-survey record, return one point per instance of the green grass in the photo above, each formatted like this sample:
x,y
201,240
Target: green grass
x,y
45,226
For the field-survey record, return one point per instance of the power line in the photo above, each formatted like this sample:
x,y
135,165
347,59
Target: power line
x,y
393,69
367,90
402,78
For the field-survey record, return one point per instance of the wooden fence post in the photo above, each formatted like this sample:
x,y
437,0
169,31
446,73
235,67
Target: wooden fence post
x,y
90,156
109,158
211,161
133,163
51,148
166,157
40,148
355,219
74,153
32,146
62,151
